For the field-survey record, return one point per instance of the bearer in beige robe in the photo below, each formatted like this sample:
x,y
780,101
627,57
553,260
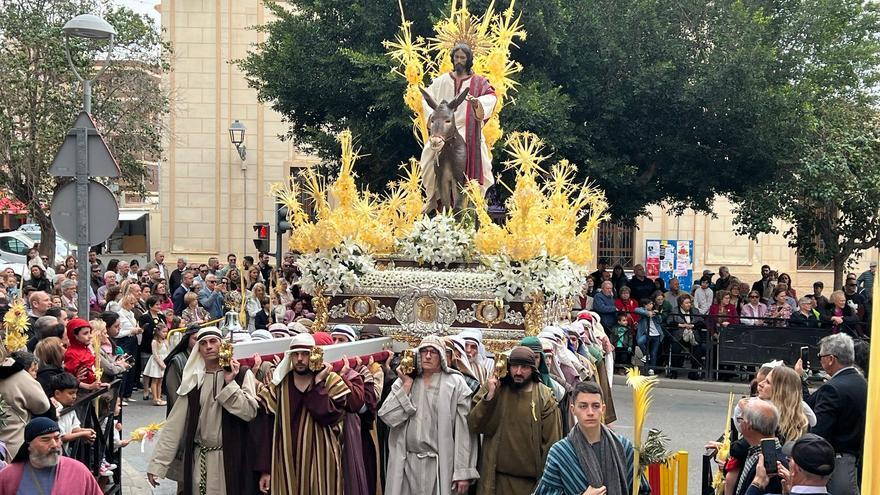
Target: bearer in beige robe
x,y
431,451
210,428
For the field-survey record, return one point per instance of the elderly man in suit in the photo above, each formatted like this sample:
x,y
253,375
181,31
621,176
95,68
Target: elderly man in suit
x,y
159,264
840,411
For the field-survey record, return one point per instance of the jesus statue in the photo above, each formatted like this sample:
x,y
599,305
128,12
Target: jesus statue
x,y
469,120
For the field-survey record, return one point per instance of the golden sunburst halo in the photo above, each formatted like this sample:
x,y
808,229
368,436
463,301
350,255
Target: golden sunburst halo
x,y
463,28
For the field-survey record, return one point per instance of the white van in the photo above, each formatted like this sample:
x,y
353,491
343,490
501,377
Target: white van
x,y
14,246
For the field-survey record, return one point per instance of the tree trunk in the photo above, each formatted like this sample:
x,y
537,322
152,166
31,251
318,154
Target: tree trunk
x,y
839,262
47,234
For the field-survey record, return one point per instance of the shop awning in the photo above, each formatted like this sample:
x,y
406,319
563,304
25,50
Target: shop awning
x,y
131,215
12,207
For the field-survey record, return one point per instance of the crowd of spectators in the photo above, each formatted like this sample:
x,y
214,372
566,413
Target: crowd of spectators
x,y
682,323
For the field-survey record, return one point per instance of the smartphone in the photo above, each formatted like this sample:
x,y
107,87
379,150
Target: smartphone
x,y
768,448
805,357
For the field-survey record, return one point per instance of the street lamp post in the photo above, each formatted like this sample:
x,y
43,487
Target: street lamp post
x,y
89,27
237,131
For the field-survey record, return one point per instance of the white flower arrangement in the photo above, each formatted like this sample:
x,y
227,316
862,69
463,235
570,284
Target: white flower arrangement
x,y
337,270
438,240
458,280
556,278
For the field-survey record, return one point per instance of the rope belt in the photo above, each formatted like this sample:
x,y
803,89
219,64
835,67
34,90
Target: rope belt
x,y
203,466
431,455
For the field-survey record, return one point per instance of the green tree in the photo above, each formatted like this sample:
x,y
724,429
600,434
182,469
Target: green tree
x,y
671,102
830,201
824,185
42,97
638,93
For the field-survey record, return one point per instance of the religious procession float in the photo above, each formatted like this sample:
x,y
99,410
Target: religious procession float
x,y
427,258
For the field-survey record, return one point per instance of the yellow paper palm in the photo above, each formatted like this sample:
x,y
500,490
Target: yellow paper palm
x,y
16,323
344,213
557,219
724,449
642,386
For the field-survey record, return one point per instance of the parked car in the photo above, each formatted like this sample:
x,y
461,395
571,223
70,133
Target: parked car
x,y
29,227
62,247
15,244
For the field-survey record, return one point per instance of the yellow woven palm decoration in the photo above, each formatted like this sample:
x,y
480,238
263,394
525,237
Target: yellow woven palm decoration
x,y
558,218
96,349
342,212
723,450
16,323
642,386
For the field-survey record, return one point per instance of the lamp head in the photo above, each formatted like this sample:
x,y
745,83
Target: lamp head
x,y
88,26
236,133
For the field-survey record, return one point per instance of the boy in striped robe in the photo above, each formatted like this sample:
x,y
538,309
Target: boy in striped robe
x,y
592,459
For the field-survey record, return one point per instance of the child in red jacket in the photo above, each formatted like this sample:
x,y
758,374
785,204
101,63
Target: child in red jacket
x,y
79,359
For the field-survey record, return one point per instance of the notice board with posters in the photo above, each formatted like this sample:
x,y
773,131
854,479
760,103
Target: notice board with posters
x,y
670,258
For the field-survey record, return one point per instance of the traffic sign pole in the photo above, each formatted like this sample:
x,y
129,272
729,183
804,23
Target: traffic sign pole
x,y
82,215
83,155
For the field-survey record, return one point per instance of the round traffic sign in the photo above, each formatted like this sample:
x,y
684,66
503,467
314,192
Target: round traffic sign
x,y
103,212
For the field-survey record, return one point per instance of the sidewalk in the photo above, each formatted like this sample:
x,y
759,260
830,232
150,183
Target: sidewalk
x,y
737,389
135,482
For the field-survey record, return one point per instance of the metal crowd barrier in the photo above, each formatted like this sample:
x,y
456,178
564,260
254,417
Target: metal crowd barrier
x,y
739,347
96,410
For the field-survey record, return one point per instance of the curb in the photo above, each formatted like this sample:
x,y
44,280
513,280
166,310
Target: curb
x,y
694,385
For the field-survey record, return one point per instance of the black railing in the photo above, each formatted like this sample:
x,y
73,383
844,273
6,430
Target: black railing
x,y
729,350
97,410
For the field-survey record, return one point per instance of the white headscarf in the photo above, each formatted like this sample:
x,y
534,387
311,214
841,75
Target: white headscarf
x,y
346,331
436,343
559,337
460,358
548,346
296,327
300,342
194,370
476,336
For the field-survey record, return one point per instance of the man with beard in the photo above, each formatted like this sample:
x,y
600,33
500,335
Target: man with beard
x,y
591,459
519,421
469,120
39,468
305,411
431,451
209,424
480,362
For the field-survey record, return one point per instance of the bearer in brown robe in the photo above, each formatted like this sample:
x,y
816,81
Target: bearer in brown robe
x,y
519,420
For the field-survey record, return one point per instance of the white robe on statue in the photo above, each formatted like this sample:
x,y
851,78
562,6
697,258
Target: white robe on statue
x,y
443,88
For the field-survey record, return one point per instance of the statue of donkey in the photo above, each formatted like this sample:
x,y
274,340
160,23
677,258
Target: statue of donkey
x,y
450,154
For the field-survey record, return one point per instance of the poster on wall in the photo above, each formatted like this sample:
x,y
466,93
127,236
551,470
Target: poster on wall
x,y
670,258
652,259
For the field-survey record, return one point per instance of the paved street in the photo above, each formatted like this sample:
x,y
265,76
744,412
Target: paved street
x,y
688,417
